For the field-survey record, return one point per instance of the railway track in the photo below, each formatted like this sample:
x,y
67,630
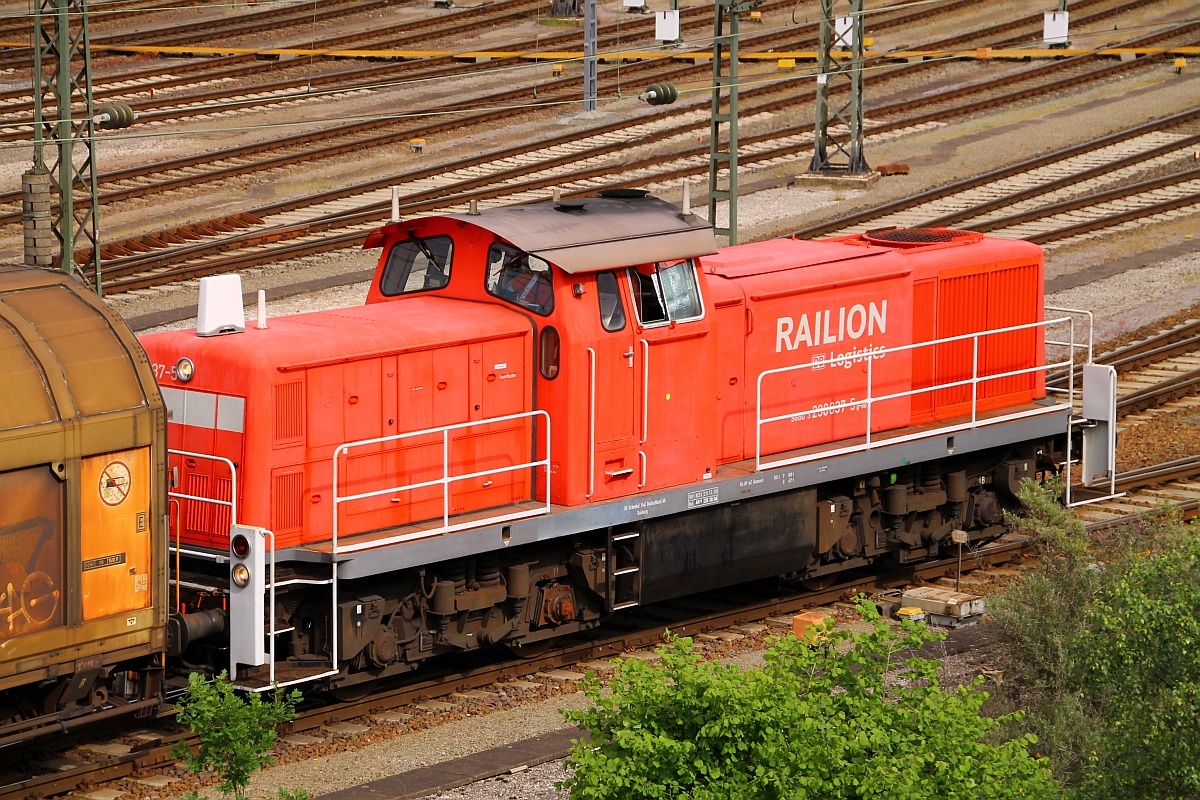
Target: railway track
x,y
164,106
219,97
1173,486
352,210
163,93
1157,375
19,25
215,27
216,101
150,749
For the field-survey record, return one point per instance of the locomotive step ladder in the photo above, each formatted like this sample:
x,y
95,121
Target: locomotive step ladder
x,y
285,672
624,575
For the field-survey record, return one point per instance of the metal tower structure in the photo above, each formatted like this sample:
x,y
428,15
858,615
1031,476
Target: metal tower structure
x,y
62,80
725,114
838,134
591,31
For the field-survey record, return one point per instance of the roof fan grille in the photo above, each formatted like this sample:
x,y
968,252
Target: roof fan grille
x,y
915,236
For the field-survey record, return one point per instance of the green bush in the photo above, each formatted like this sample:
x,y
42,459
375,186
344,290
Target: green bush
x,y
1105,653
234,733
1141,659
856,715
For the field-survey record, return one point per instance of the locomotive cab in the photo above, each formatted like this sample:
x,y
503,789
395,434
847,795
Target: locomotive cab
x,y
625,344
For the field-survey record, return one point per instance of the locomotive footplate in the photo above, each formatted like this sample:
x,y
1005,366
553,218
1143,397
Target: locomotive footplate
x,y
733,483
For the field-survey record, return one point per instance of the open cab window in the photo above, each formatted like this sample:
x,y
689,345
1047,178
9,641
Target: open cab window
x,y
520,278
666,292
417,265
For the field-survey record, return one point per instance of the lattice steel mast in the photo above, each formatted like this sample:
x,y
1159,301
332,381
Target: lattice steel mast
x,y
62,79
838,135
725,47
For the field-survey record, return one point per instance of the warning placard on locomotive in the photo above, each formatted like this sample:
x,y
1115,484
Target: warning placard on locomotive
x,y
704,497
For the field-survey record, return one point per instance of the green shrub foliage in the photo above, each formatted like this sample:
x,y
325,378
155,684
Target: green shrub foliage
x,y
234,733
1105,653
1141,657
854,715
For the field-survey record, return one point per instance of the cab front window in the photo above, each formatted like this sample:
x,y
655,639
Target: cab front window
x,y
417,265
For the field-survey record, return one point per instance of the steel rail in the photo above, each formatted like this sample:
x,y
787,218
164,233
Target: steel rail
x,y
240,65
172,108
109,10
906,203
242,152
1084,201
415,31
1162,392
257,20
1180,468
1180,340
1115,219
957,218
128,267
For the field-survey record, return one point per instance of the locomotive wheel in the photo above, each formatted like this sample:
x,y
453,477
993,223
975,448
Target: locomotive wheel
x,y
354,692
819,583
530,650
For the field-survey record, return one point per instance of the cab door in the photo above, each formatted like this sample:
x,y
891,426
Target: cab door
x,y
679,436
615,396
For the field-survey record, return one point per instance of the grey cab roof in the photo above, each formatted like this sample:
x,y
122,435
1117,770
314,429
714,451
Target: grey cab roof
x,y
596,233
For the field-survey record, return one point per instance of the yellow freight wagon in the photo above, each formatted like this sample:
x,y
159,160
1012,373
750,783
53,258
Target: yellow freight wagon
x,y
83,562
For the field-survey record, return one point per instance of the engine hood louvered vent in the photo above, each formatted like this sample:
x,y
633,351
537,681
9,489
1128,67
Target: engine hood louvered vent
x,y
914,237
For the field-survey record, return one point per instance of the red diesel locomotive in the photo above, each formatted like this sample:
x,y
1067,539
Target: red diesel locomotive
x,y
550,412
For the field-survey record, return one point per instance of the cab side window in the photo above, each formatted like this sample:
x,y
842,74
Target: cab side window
x,y
612,310
520,278
667,292
417,265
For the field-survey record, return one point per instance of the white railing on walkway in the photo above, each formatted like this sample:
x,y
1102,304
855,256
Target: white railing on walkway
x,y
231,503
871,400
445,481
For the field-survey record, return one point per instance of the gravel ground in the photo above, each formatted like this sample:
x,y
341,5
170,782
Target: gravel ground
x,y
1126,302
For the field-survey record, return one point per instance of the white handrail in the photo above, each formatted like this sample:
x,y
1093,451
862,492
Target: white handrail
x,y
231,503
1091,318
870,400
271,610
645,391
591,423
445,481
